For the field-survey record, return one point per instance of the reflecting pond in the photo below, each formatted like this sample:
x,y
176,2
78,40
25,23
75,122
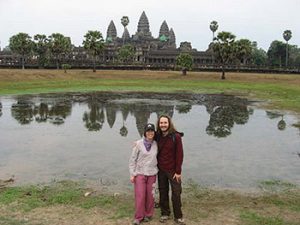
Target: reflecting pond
x,y
228,141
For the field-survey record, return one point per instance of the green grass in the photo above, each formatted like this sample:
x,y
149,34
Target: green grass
x,y
282,96
60,193
276,185
199,203
11,221
252,218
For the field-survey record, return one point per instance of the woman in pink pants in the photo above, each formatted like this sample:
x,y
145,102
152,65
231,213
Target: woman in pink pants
x,y
143,170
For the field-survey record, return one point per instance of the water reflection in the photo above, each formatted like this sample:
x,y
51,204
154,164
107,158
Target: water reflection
x,y
26,111
223,118
224,111
95,118
227,141
281,125
0,109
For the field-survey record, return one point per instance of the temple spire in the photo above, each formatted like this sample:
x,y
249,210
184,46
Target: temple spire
x,y
126,35
111,33
143,28
172,38
164,30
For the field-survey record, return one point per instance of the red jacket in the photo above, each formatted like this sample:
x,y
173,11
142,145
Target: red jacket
x,y
170,159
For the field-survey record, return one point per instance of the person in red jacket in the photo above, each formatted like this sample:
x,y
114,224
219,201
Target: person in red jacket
x,y
170,158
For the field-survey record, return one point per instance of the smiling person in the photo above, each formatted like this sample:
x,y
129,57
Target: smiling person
x,y
170,158
143,170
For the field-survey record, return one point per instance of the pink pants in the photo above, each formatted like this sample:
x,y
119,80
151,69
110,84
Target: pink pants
x,y
144,187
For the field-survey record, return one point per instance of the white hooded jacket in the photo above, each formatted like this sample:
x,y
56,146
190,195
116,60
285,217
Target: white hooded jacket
x,y
143,162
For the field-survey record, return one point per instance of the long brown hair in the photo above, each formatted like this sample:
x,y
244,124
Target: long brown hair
x,y
171,129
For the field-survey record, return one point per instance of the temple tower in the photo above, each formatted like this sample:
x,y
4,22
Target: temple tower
x,y
172,39
164,30
111,33
126,35
143,28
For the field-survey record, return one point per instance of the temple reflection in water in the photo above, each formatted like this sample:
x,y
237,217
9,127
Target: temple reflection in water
x,y
224,111
228,141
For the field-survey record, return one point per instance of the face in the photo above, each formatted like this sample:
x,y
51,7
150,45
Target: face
x,y
164,124
150,134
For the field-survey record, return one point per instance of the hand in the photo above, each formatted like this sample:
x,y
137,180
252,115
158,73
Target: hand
x,y
177,177
132,179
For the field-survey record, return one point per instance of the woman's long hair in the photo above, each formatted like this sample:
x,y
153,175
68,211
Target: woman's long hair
x,y
171,129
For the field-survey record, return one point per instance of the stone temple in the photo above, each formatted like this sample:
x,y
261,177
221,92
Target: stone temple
x,y
158,52
149,50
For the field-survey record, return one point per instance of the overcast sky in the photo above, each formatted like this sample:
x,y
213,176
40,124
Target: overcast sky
x,y
257,20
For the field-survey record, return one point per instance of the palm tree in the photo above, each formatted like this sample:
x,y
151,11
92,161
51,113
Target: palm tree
x,y
224,49
21,44
94,44
287,35
214,27
41,48
243,50
59,46
124,22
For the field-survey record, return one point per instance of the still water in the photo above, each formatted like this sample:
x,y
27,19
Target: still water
x,y
228,141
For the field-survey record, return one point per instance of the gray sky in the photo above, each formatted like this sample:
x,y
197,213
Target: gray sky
x,y
257,20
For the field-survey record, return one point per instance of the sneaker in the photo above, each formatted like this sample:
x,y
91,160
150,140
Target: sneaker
x,y
180,221
136,222
147,219
163,219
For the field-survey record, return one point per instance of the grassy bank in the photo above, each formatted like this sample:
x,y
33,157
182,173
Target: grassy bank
x,y
280,91
65,203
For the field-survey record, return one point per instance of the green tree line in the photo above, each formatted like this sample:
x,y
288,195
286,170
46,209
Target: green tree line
x,y
226,50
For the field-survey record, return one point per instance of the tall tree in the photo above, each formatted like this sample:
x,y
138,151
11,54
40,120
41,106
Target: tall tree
x,y
224,49
94,44
59,46
259,57
294,56
287,35
213,27
21,44
185,61
126,53
276,53
243,48
41,48
124,22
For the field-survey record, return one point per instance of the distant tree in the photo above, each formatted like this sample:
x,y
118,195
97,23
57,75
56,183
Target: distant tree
x,y
276,53
259,57
59,46
126,53
213,27
287,35
41,48
294,56
66,67
21,44
185,62
94,44
124,22
243,50
224,49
